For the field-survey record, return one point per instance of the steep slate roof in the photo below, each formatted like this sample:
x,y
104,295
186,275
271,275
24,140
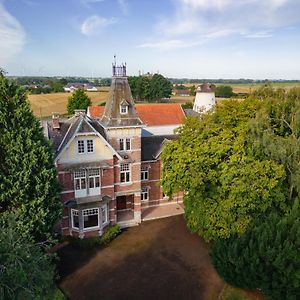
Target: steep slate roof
x,y
120,94
150,114
61,137
151,145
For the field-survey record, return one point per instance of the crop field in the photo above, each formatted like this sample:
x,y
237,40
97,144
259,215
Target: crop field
x,y
43,105
247,88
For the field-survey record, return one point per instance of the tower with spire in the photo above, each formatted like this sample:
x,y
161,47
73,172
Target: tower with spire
x,y
123,129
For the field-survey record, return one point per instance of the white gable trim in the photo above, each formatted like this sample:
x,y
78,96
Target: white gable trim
x,y
87,133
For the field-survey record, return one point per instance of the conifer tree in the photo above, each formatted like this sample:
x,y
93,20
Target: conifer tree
x,y
26,271
266,257
28,178
78,100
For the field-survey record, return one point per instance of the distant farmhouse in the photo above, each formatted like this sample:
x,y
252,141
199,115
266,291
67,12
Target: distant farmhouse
x,y
181,92
71,87
108,160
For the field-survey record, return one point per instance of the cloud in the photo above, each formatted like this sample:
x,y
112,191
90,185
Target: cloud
x,y
95,24
123,4
12,36
170,44
218,19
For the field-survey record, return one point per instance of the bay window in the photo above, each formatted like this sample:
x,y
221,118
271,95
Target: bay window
x,y
104,214
90,218
74,219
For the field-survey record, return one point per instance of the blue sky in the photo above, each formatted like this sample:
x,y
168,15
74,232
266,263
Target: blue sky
x,y
179,38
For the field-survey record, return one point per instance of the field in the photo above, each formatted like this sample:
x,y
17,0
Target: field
x,y
43,105
247,88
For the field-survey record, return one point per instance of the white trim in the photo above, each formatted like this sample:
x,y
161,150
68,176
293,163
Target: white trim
x,y
67,192
96,133
107,186
94,227
167,202
58,149
72,220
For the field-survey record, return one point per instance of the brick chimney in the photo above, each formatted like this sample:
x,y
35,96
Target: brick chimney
x,y
55,121
79,112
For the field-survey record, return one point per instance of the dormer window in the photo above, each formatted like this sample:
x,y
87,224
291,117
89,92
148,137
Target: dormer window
x,y
124,107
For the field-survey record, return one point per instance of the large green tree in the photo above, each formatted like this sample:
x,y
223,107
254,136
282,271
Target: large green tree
x,y
78,100
150,88
26,272
28,178
225,186
276,133
266,257
224,91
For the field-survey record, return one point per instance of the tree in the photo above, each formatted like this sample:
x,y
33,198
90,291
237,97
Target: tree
x,y
26,271
276,133
225,186
28,178
159,88
150,88
266,257
57,86
193,90
78,100
224,91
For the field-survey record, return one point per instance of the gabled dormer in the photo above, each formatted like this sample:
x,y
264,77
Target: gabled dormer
x,y
124,107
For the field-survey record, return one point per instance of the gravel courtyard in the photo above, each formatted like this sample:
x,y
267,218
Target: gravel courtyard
x,y
159,259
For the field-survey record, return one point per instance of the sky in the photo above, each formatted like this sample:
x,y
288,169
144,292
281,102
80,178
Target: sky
x,y
258,39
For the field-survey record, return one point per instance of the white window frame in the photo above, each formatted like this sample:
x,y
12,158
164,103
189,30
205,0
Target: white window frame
x,y
144,173
90,146
104,209
80,175
125,144
73,213
82,182
90,212
94,174
80,144
123,109
145,194
126,170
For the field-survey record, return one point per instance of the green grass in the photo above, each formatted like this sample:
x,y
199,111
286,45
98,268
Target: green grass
x,y
231,293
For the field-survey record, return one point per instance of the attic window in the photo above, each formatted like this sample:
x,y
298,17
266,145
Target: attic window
x,y
123,109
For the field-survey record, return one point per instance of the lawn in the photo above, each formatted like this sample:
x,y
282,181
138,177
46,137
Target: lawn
x,y
159,259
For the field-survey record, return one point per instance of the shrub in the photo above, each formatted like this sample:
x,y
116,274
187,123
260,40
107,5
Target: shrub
x,y
187,105
110,234
92,242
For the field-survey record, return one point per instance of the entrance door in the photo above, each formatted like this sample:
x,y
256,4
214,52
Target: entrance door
x,y
121,202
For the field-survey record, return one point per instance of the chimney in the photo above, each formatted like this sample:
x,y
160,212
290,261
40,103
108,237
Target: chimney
x,y
55,121
79,112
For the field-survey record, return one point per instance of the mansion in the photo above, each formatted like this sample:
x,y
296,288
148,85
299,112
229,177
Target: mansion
x,y
108,160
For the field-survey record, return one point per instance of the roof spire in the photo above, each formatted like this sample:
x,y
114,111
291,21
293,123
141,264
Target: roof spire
x,y
118,71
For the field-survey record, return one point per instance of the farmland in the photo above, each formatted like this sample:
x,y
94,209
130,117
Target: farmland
x,y
43,105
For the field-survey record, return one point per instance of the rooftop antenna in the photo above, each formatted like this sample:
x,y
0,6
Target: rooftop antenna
x,y
115,59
